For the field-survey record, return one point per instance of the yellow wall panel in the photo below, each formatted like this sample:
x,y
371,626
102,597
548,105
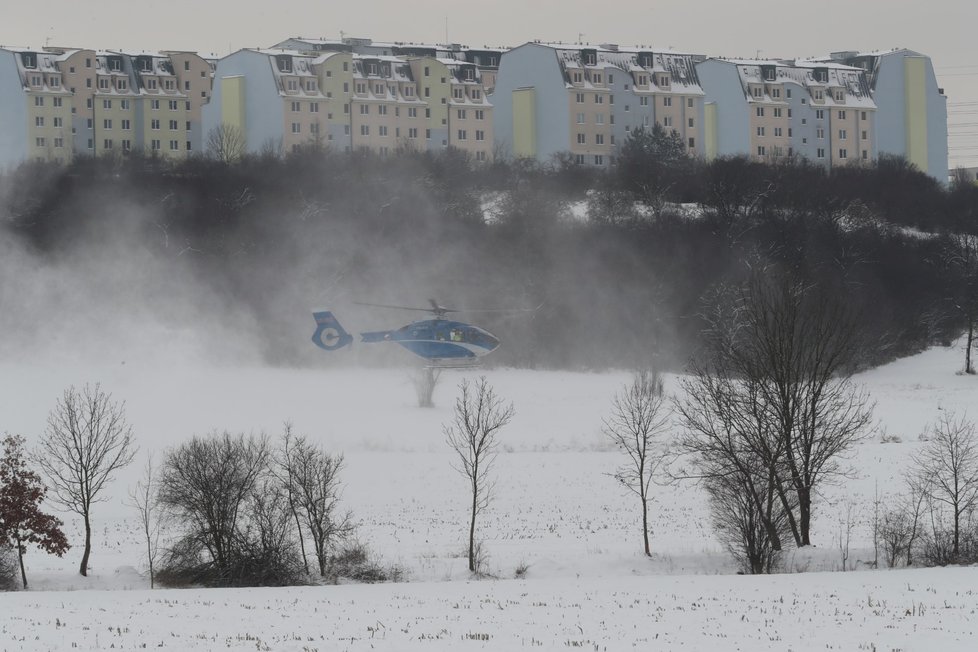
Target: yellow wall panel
x,y
915,75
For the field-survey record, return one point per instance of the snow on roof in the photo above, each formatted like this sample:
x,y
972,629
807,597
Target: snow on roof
x,y
803,72
681,68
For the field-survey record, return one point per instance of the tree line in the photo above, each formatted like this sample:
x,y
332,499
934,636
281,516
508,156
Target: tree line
x,y
623,261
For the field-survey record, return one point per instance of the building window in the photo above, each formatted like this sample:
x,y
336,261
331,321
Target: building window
x,y
581,139
412,132
126,125
364,109
151,85
58,122
598,98
106,124
480,135
480,114
154,105
776,92
59,143
461,134
461,114
296,127
819,114
39,142
862,116
39,121
314,107
382,109
760,150
692,143
598,159
691,122
155,145
580,118
173,125
819,153
599,119
364,130
155,124
38,100
382,130
106,144
820,133
580,98
760,131
174,145
777,112
57,101
666,101
843,153
759,111
787,93
579,159
842,115
689,102
777,132
599,139
842,134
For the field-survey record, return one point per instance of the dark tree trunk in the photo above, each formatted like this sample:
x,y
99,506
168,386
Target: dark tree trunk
x,y
475,498
645,525
83,569
968,366
20,558
805,516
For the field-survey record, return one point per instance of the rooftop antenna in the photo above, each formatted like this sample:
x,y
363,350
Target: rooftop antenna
x,y
580,38
446,30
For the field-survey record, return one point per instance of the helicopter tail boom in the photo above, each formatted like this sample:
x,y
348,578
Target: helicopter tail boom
x,y
330,334
376,336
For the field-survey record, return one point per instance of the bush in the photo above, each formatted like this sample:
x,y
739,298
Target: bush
x,y
8,568
352,562
187,564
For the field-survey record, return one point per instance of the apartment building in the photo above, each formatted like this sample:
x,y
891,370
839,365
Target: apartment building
x,y
911,116
551,98
325,91
452,83
35,107
773,109
81,101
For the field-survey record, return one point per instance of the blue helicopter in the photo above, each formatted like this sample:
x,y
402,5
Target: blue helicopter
x,y
441,341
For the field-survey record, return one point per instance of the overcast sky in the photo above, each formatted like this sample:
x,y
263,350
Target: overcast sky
x,y
946,30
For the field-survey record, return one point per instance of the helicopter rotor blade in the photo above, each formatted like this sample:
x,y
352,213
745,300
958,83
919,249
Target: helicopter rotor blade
x,y
435,308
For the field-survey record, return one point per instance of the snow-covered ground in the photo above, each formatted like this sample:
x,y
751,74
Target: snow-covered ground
x,y
556,512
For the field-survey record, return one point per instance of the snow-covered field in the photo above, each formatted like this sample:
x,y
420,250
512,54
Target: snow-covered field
x,y
555,511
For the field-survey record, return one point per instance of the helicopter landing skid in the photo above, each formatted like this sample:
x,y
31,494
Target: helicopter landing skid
x,y
450,363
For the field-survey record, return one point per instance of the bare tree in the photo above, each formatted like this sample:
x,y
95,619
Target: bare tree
x,y
284,472
479,415
86,441
947,470
778,382
206,484
847,523
316,487
143,499
639,417
226,142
